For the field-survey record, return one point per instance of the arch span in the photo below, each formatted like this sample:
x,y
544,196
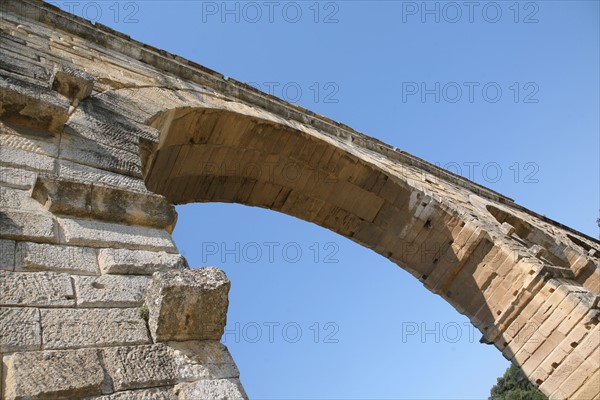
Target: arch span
x,y
91,120
515,276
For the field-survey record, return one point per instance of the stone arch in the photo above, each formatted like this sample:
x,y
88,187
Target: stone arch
x,y
449,233
92,122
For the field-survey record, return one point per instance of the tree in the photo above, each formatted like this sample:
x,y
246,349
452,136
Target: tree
x,y
514,385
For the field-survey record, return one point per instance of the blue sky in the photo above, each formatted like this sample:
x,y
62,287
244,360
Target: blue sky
x,y
505,93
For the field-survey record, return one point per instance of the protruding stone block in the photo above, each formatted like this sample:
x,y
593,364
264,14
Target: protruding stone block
x,y
111,204
72,83
19,329
46,289
53,374
31,105
57,258
110,290
74,328
138,262
188,304
92,233
230,389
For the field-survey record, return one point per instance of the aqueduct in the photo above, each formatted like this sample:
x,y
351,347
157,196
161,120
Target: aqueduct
x,y
101,135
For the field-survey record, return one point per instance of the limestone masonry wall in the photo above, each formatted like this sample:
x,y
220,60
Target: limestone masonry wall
x,y
101,135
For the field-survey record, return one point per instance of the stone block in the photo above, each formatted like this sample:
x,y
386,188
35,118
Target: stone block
x,y
75,328
188,304
19,329
16,178
93,233
162,393
230,389
72,83
56,258
136,367
27,226
110,290
138,262
44,289
52,374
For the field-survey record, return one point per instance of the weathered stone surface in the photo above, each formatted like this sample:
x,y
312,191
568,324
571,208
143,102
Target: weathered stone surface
x,y
72,83
27,226
53,374
110,290
111,204
63,197
57,258
139,262
188,304
98,155
19,329
142,394
30,105
103,234
16,178
82,173
17,199
46,289
227,389
30,140
208,359
17,158
133,208
134,367
138,367
7,255
75,328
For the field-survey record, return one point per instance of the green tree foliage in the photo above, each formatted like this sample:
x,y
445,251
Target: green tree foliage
x,y
514,385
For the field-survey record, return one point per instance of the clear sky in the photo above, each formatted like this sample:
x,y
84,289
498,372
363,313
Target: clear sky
x,y
505,93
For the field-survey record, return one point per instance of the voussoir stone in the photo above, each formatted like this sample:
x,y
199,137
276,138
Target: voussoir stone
x,y
110,290
227,389
58,258
74,328
85,232
46,289
53,374
19,329
188,304
140,262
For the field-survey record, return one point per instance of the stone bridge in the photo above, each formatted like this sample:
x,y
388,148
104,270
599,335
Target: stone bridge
x,y
101,135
